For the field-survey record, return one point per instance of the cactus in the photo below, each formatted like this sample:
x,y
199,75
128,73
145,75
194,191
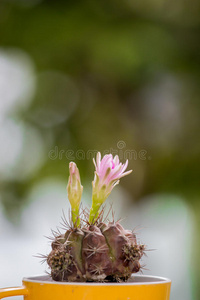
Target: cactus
x,y
90,249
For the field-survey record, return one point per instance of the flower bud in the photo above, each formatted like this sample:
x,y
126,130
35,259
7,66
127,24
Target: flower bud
x,y
74,189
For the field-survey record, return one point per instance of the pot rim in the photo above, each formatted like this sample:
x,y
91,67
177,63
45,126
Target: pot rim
x,y
158,280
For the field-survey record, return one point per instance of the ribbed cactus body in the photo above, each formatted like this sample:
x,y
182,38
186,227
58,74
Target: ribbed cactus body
x,y
95,253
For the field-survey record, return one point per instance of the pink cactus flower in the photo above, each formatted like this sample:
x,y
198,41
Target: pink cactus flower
x,y
109,169
108,172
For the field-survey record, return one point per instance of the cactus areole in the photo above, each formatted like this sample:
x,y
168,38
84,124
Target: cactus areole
x,y
91,249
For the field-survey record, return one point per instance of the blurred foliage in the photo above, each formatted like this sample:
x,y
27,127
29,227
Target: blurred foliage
x,y
110,71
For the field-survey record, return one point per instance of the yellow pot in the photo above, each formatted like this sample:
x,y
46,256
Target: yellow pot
x,y
140,287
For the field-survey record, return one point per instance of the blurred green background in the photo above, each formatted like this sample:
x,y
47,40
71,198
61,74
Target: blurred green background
x,y
120,76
